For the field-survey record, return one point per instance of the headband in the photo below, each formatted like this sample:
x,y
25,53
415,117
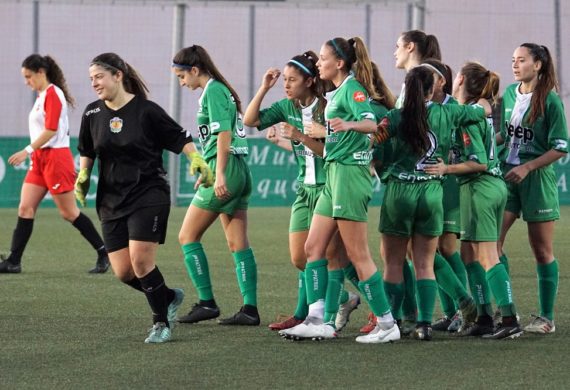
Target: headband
x,y
338,50
434,69
182,66
107,66
303,67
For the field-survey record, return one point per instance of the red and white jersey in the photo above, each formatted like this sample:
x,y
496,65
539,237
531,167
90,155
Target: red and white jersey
x,y
50,112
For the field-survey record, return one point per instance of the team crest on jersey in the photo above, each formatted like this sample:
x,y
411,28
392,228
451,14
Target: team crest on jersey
x,y
116,125
359,97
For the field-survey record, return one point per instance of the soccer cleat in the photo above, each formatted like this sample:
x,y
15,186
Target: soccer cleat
x,y
174,305
423,332
345,309
159,333
369,327
468,312
540,325
380,336
505,332
407,327
243,318
287,323
7,267
441,325
200,313
311,329
456,322
483,326
101,266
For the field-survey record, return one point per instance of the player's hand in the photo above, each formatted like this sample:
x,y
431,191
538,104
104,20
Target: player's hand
x,y
82,186
290,132
315,130
439,169
220,188
270,78
517,174
198,165
271,135
337,125
18,158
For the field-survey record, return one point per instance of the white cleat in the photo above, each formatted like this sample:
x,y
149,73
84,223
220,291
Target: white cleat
x,y
345,309
311,329
379,336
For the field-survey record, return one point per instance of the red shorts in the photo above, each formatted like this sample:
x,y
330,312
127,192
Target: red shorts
x,y
52,169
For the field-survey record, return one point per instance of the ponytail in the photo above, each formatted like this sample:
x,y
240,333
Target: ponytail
x,y
197,56
355,56
54,74
414,125
443,71
386,97
132,82
547,80
480,83
427,45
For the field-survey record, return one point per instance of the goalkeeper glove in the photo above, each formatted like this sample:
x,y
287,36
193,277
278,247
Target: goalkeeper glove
x,y
82,185
198,164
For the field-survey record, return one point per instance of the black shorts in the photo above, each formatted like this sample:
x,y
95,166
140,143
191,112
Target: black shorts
x,y
146,224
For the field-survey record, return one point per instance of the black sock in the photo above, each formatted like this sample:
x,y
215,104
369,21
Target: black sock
x,y
135,283
20,238
211,303
87,230
155,290
170,295
250,310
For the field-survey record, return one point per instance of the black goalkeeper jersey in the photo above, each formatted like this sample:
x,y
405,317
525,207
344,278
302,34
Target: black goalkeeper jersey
x,y
129,144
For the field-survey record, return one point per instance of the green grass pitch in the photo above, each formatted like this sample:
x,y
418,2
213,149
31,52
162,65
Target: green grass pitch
x,y
62,328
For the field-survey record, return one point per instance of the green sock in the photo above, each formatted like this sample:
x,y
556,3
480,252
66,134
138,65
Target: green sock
x,y
409,304
500,284
479,288
351,275
426,289
447,305
458,267
316,280
302,308
505,262
373,291
246,271
447,279
343,296
335,286
395,295
547,288
197,267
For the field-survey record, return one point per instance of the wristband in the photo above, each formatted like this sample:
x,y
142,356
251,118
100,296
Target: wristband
x,y
29,149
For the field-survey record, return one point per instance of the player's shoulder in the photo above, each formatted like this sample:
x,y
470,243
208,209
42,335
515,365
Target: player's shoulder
x,y
92,108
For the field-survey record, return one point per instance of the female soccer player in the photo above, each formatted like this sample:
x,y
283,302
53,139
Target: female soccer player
x,y
225,147
483,198
344,202
51,163
128,134
413,201
535,133
304,105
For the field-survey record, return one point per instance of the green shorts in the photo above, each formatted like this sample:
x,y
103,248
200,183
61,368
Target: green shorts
x,y
303,207
238,182
482,205
412,208
536,196
451,219
347,191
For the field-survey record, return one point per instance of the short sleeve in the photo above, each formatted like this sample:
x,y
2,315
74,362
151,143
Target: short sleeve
x,y
85,141
52,108
169,133
271,115
557,127
359,103
219,109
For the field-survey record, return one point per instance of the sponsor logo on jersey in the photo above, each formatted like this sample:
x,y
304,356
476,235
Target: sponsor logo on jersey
x,y
561,144
466,139
116,125
93,111
203,132
359,97
522,133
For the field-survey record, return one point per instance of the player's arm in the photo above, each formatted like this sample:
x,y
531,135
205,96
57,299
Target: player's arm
x,y
20,156
198,165
518,173
441,168
290,132
223,152
363,126
251,116
272,136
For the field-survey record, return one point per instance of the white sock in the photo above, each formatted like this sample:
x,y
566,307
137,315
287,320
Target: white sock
x,y
385,321
317,309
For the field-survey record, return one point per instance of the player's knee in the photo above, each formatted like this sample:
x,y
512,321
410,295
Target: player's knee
x,y
25,211
299,261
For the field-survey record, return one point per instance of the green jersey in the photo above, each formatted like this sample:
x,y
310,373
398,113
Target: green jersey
x,y
478,142
217,112
381,152
406,166
526,141
311,166
348,102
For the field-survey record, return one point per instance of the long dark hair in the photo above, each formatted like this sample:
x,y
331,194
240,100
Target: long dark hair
x,y
132,82
386,97
306,65
414,125
445,70
547,80
197,56
355,56
480,83
54,74
427,45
